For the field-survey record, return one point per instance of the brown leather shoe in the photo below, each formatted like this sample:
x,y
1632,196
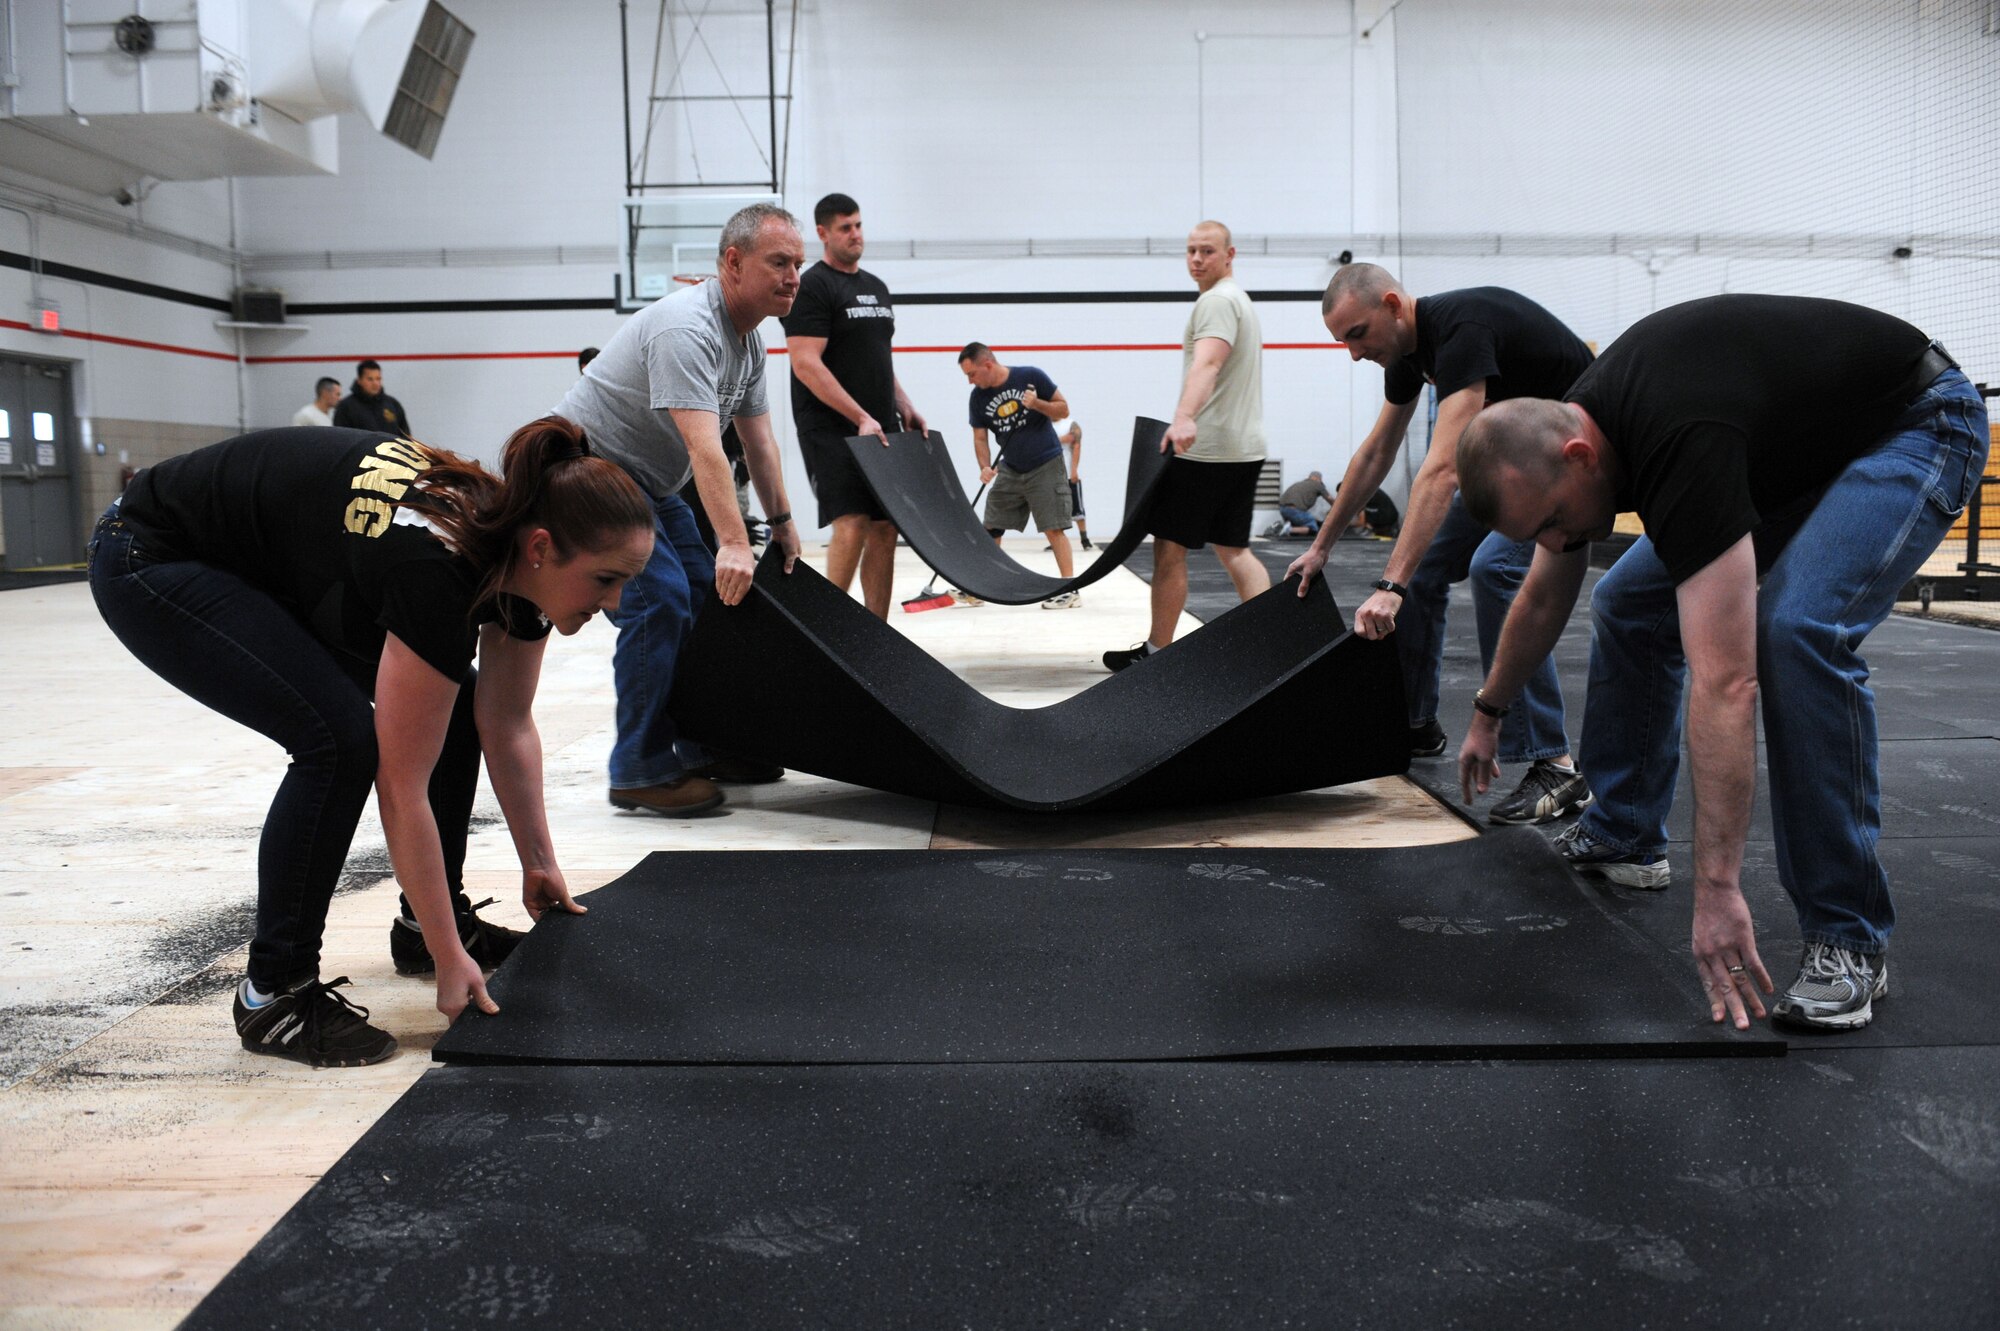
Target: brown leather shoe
x,y
739,771
687,794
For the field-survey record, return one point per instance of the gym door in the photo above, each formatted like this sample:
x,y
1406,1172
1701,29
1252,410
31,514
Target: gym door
x,y
37,490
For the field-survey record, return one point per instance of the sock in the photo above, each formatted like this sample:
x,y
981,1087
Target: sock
x,y
1150,648
253,997
1568,767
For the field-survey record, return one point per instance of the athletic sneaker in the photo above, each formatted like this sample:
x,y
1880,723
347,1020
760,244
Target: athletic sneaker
x,y
1062,601
311,1024
1545,794
487,943
1115,661
1587,855
966,598
1427,740
1835,989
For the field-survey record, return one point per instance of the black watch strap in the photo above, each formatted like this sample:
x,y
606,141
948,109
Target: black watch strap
x,y
1485,708
1384,585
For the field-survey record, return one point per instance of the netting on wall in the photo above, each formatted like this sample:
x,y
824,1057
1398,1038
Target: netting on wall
x,y
1611,157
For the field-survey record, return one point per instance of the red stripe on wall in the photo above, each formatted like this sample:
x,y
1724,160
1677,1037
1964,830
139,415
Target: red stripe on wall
x,y
123,341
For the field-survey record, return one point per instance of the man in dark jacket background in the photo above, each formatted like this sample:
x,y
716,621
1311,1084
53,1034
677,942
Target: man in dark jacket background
x,y
367,407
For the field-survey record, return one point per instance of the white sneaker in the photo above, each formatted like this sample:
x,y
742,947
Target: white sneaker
x,y
1062,601
966,598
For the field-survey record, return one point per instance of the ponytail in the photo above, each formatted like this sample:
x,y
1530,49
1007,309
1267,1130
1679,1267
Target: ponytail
x,y
551,480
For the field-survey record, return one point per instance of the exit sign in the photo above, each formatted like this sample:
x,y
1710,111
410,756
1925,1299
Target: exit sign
x,y
48,316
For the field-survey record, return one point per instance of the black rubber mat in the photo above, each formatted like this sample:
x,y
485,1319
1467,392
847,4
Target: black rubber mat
x,y
1824,1190
1941,957
1474,948
1272,699
917,482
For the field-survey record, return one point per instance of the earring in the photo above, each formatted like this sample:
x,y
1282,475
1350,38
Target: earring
x,y
538,564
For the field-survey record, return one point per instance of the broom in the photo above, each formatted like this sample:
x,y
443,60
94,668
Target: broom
x,y
930,598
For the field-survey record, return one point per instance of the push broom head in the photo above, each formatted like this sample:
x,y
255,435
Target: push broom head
x,y
932,601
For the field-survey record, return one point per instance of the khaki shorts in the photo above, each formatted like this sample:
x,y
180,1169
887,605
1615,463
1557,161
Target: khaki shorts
x,y
1016,496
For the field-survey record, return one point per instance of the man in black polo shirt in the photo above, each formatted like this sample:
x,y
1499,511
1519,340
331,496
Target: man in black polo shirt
x,y
1477,346
844,383
1817,446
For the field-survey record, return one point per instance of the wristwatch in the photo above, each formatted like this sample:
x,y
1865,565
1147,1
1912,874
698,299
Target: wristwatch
x,y
1485,708
1384,585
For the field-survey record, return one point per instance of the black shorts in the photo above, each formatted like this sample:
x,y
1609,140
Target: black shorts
x,y
836,477
1206,503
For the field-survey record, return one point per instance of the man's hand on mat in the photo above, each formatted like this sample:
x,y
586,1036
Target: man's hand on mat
x,y
1376,619
1478,757
869,425
460,984
1179,436
735,566
1725,953
543,890
914,422
786,534
1307,566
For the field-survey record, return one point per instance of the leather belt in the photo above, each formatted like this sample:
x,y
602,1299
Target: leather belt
x,y
1934,362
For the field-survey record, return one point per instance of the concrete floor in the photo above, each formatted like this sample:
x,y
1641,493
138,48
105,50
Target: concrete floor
x,y
146,1151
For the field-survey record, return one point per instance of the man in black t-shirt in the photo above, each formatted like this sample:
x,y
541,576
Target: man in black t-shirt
x,y
1818,447
1475,346
844,383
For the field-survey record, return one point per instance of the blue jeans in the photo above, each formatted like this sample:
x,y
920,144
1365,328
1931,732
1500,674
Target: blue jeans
x,y
235,649
654,617
1534,725
1299,518
1832,566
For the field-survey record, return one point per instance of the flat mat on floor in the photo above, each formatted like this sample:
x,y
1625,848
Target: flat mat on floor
x,y
1480,948
1273,698
917,482
1941,958
1852,1190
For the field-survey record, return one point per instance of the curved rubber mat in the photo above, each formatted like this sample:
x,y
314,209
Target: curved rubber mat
x,y
1272,698
917,483
1486,948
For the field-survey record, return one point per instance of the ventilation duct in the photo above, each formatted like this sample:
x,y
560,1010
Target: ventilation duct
x,y
96,94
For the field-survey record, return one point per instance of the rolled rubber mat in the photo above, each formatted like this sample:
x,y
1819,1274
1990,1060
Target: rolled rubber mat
x,y
1685,1193
918,485
1483,948
1272,698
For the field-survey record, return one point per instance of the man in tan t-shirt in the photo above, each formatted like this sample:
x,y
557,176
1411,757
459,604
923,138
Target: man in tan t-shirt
x,y
1217,436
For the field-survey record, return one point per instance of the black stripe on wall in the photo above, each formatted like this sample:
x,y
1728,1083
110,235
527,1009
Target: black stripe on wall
x,y
12,259
90,276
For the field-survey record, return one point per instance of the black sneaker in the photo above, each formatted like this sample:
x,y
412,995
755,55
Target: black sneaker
x,y
487,943
1131,656
1427,740
311,1024
1545,794
1587,855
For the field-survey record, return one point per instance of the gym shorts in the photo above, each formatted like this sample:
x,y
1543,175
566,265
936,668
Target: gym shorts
x,y
1206,503
1041,493
836,477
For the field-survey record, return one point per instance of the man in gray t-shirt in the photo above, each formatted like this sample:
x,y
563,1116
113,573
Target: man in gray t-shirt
x,y
656,401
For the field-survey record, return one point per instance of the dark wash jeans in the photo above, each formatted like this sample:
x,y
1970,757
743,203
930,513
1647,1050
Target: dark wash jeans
x,y
234,648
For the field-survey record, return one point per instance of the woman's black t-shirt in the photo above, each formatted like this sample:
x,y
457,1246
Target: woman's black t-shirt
x,y
309,515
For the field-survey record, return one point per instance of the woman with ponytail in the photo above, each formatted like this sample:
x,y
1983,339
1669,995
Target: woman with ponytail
x,y
330,589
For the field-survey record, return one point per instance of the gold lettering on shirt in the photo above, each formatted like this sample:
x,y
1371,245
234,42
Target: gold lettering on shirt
x,y
368,517
385,477
404,451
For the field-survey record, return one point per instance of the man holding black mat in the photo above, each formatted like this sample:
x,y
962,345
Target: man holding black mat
x,y
1795,461
1474,346
844,383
